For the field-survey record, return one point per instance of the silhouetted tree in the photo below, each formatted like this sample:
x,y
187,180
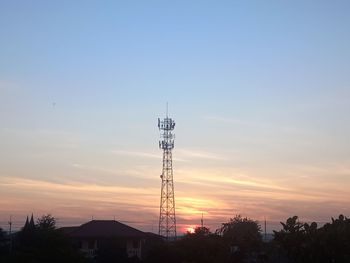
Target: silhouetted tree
x,y
46,222
202,246
2,236
161,251
2,233
291,237
334,238
44,243
306,243
200,231
4,245
243,235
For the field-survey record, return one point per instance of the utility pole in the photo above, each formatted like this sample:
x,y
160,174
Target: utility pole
x,y
265,230
10,233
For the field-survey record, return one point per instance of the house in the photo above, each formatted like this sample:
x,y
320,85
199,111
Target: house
x,y
107,234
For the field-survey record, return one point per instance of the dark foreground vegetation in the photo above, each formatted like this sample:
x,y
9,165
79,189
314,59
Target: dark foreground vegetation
x,y
41,242
238,240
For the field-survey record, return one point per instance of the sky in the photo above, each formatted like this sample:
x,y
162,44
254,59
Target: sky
x,y
259,90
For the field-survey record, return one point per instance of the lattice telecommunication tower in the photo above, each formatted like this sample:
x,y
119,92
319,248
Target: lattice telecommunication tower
x,y
167,220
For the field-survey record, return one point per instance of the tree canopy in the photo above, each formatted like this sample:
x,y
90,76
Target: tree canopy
x,y
43,243
46,222
242,234
303,242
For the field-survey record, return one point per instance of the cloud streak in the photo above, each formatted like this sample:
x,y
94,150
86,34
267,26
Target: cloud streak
x,y
137,154
188,154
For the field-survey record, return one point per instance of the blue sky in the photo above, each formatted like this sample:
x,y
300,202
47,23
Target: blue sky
x,y
260,91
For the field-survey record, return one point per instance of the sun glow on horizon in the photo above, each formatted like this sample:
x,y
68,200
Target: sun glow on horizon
x,y
190,229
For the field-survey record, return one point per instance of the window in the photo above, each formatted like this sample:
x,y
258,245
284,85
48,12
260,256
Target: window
x,y
91,244
135,244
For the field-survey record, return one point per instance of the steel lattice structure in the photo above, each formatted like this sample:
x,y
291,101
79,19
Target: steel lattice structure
x,y
167,220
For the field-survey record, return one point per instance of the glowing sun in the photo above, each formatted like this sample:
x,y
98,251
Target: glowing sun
x,y
190,229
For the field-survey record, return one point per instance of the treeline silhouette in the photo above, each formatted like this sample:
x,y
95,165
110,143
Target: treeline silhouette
x,y
38,243
238,240
302,242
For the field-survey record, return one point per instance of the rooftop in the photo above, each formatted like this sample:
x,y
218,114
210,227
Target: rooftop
x,y
103,228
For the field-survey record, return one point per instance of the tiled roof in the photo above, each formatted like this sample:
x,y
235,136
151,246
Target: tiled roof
x,y
105,229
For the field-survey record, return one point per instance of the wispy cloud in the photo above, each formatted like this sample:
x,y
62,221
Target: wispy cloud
x,y
261,125
141,154
8,87
61,139
137,154
227,120
69,186
44,196
94,168
198,154
225,179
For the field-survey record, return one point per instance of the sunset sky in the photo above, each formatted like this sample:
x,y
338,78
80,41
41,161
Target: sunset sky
x,y
259,90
